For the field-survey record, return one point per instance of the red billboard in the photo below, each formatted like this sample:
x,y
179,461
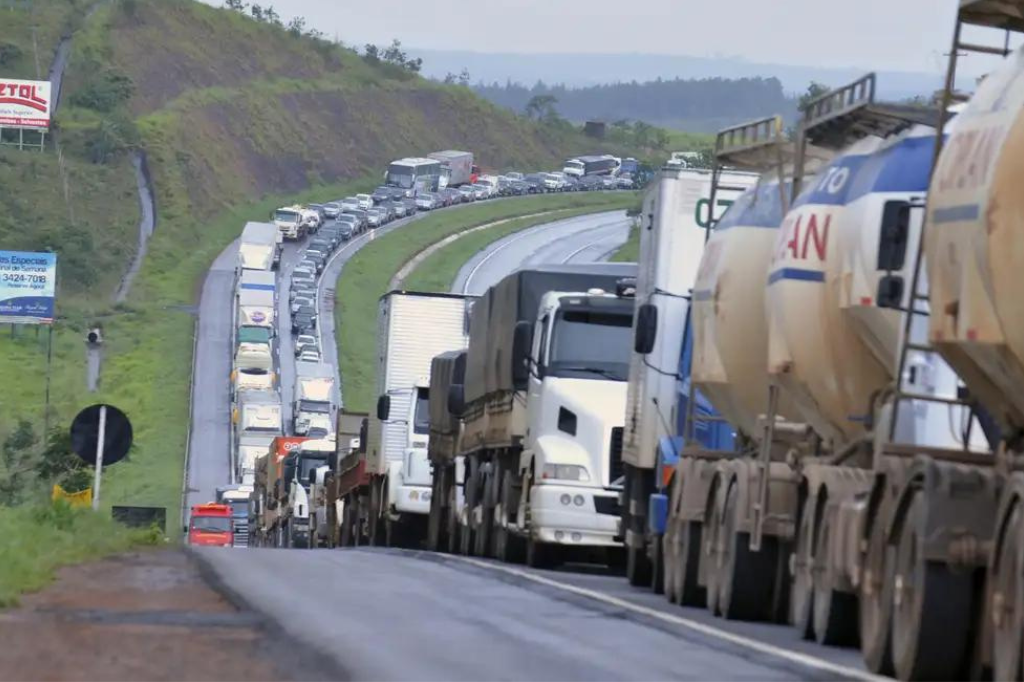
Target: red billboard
x,y
24,104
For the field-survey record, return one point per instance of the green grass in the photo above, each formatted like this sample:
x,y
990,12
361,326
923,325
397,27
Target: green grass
x,y
366,277
629,252
437,272
35,541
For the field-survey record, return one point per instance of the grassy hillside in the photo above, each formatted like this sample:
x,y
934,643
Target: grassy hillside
x,y
235,117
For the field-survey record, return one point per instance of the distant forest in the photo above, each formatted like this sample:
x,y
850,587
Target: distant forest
x,y
703,105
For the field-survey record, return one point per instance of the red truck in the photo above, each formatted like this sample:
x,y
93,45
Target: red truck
x,y
210,524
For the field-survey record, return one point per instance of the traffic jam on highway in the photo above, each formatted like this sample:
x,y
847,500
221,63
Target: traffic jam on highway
x,y
786,417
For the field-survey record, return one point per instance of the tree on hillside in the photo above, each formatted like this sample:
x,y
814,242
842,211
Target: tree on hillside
x,y
393,54
297,26
814,90
541,107
236,5
60,465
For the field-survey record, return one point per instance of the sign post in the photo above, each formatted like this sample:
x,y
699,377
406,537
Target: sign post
x,y
100,442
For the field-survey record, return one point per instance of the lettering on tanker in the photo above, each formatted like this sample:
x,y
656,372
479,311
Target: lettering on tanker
x,y
800,238
967,159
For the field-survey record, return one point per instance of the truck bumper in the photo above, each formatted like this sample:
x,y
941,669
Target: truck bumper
x,y
412,499
569,515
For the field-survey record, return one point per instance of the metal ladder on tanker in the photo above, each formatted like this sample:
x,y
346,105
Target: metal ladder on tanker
x,y
831,122
998,14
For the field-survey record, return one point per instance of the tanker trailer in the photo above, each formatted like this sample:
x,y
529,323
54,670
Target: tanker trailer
x,y
960,536
834,311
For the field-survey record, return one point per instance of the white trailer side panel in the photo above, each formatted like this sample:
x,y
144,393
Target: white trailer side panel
x,y
413,328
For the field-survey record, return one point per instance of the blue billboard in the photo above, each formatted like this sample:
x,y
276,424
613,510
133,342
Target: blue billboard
x,y
28,284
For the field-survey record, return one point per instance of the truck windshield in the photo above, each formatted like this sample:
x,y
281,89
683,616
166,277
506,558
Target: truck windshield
x,y
240,509
400,177
254,334
308,463
421,417
286,216
314,406
211,524
575,165
591,344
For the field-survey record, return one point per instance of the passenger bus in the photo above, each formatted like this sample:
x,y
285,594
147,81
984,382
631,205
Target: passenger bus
x,y
416,175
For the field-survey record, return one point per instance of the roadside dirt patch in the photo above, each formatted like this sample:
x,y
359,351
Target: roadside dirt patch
x,y
143,616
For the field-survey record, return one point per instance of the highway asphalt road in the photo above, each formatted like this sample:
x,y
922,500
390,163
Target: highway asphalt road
x,y
388,614
583,239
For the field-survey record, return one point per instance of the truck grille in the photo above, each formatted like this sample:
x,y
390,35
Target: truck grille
x,y
615,468
240,537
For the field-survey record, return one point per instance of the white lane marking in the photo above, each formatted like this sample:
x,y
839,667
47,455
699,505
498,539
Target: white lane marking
x,y
708,630
593,243
522,235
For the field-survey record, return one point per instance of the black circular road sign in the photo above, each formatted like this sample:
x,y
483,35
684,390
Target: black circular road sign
x,y
85,432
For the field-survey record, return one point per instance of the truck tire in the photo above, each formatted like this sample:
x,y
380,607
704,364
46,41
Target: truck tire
x,y
373,525
482,532
436,517
875,602
540,554
743,574
835,612
685,543
802,594
670,550
1007,606
345,538
638,565
454,526
932,608
508,546
711,550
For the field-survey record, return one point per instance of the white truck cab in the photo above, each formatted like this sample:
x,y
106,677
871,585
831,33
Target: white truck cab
x,y
576,399
306,468
409,479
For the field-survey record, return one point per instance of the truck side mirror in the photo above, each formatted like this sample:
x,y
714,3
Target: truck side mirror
x,y
890,292
312,477
646,328
456,399
521,339
383,407
894,234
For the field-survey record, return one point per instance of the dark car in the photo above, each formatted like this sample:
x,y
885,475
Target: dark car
x,y
346,232
410,206
308,311
361,216
381,194
302,323
535,183
348,219
323,242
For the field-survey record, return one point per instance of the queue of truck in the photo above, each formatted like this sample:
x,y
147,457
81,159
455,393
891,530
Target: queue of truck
x,y
806,412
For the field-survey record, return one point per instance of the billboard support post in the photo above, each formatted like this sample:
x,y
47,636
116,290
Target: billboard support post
x,y
49,367
100,444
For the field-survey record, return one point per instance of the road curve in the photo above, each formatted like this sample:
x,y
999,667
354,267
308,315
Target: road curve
x,y
582,239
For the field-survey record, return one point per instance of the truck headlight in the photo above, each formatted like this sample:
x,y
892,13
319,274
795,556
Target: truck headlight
x,y
566,472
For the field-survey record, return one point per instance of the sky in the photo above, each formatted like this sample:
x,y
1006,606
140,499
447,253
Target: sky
x,y
909,35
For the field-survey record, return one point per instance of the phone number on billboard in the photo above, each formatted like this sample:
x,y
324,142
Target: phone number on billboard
x,y
21,277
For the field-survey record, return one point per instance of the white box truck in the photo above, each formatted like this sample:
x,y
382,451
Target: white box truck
x,y
461,169
412,328
315,401
256,298
259,247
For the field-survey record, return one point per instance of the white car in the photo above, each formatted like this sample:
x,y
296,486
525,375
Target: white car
x,y
365,201
304,342
309,355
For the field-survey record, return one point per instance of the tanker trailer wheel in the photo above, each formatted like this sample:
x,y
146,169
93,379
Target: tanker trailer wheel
x,y
470,493
1007,607
712,551
657,566
691,593
670,550
931,608
876,602
508,546
744,574
374,531
802,594
835,612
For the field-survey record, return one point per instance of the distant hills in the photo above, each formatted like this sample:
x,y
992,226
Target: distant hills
x,y
582,70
